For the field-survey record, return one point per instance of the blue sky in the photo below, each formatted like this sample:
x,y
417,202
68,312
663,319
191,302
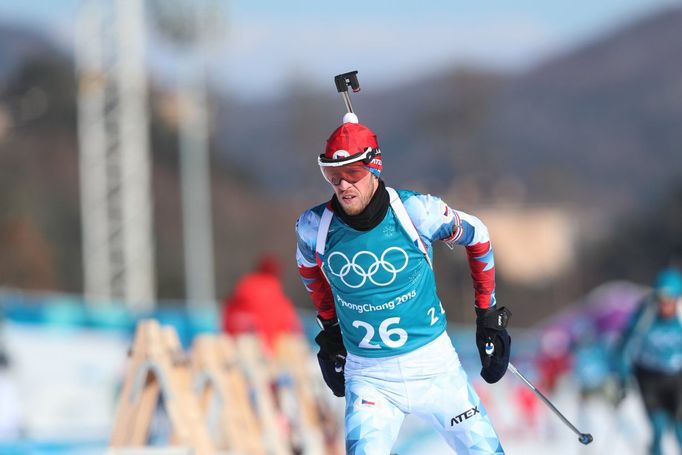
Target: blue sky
x,y
269,42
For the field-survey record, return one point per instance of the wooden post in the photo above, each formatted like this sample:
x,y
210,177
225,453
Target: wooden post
x,y
253,359
156,368
294,359
223,390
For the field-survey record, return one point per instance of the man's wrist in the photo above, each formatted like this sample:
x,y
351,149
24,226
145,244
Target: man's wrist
x,y
492,318
326,323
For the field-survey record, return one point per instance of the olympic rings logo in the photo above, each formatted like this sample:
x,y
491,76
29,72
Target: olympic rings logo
x,y
351,268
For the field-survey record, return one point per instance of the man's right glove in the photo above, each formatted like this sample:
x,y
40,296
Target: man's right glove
x,y
332,356
493,342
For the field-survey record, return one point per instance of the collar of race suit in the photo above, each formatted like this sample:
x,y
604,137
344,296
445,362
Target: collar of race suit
x,y
371,216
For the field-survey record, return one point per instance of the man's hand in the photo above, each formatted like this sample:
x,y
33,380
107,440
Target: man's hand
x,y
493,342
332,356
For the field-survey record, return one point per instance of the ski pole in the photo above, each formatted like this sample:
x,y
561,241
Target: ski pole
x,y
584,438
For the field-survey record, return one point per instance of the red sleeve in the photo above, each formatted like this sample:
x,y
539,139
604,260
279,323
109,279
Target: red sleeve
x,y
319,290
482,266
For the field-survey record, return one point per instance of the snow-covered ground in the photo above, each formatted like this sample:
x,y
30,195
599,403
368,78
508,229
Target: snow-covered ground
x,y
622,430
65,380
65,383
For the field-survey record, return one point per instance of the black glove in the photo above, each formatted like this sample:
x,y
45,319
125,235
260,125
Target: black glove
x,y
332,356
493,342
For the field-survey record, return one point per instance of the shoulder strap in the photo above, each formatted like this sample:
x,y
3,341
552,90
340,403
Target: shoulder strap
x,y
322,231
400,213
405,220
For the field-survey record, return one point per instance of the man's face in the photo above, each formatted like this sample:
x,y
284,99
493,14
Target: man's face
x,y
354,197
667,306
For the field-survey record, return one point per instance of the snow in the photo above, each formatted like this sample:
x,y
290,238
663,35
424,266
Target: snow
x,y
66,382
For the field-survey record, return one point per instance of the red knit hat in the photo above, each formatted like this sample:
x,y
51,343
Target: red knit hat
x,y
352,142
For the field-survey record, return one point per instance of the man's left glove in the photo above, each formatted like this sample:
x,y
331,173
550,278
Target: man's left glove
x,y
493,342
332,356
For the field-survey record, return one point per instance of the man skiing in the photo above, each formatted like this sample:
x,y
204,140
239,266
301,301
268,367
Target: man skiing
x,y
365,257
651,348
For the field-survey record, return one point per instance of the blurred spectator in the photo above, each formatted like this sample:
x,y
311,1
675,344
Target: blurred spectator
x,y
651,348
258,304
529,407
554,358
591,362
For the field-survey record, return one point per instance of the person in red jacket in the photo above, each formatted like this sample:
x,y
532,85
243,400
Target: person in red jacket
x,y
259,305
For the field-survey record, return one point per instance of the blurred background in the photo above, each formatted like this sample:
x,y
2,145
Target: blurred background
x,y
151,151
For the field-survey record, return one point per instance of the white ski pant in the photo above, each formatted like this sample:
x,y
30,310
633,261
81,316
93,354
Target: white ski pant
x,y
428,382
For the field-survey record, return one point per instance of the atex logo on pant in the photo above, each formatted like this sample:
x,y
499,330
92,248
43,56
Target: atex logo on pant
x,y
463,416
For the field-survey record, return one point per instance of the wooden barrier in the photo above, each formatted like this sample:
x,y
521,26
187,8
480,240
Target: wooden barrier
x,y
227,396
293,359
224,394
157,369
260,376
